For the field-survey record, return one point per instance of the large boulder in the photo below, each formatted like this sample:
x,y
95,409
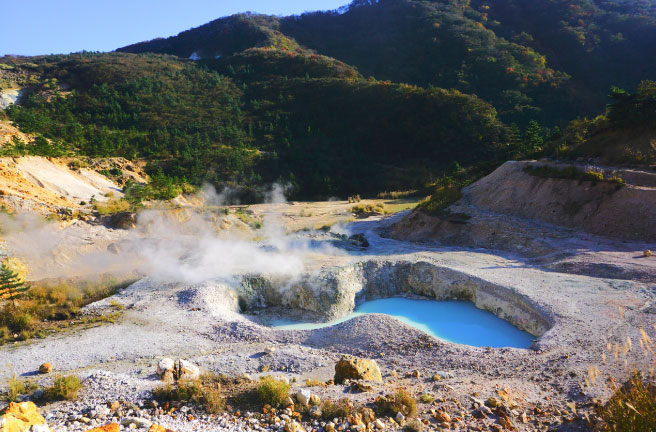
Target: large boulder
x,y
22,417
357,369
166,369
186,370
169,370
45,368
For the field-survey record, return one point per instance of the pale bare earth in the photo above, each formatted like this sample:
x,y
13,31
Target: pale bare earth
x,y
219,322
48,185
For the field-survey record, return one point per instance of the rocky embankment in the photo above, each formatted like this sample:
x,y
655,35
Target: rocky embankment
x,y
598,228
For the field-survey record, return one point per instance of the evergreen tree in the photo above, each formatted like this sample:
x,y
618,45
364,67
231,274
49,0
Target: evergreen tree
x,y
11,286
534,136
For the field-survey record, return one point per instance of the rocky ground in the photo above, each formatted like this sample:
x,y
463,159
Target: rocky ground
x,y
213,277
575,319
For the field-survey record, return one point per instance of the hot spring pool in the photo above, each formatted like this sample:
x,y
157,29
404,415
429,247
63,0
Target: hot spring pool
x,y
454,321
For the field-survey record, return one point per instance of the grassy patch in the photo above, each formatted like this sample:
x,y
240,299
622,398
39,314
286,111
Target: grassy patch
x,y
361,210
246,216
632,407
570,173
51,306
271,391
16,387
313,383
399,205
395,195
399,401
112,206
204,392
63,388
443,196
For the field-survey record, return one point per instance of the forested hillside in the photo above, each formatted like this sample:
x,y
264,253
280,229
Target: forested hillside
x,y
330,135
380,95
545,60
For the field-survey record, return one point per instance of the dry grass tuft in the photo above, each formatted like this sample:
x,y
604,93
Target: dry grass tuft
x,y
340,409
632,407
204,392
63,388
400,401
271,391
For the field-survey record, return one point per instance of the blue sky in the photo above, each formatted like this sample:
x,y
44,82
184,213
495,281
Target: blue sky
x,y
33,27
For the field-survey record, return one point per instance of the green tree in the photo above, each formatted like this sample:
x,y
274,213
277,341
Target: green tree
x,y
11,285
534,137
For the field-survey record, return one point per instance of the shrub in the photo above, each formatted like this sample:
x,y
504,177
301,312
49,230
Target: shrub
x,y
112,207
570,173
632,407
616,179
63,388
340,409
427,398
400,401
442,197
593,176
273,392
18,320
204,392
361,210
4,334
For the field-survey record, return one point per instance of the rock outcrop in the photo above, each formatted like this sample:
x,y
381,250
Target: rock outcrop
x,y
169,370
22,417
358,369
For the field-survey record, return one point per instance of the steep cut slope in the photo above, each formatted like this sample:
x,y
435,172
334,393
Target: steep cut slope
x,y
572,226
604,208
45,185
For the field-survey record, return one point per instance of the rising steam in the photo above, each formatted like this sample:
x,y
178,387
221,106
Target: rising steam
x,y
167,246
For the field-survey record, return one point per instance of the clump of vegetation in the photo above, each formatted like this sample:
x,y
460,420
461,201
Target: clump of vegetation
x,y
368,209
441,198
16,387
401,401
40,146
204,392
632,407
246,216
271,391
48,306
427,398
339,409
64,387
11,284
569,173
112,206
398,194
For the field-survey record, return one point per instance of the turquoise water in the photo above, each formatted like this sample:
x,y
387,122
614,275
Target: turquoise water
x,y
454,321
